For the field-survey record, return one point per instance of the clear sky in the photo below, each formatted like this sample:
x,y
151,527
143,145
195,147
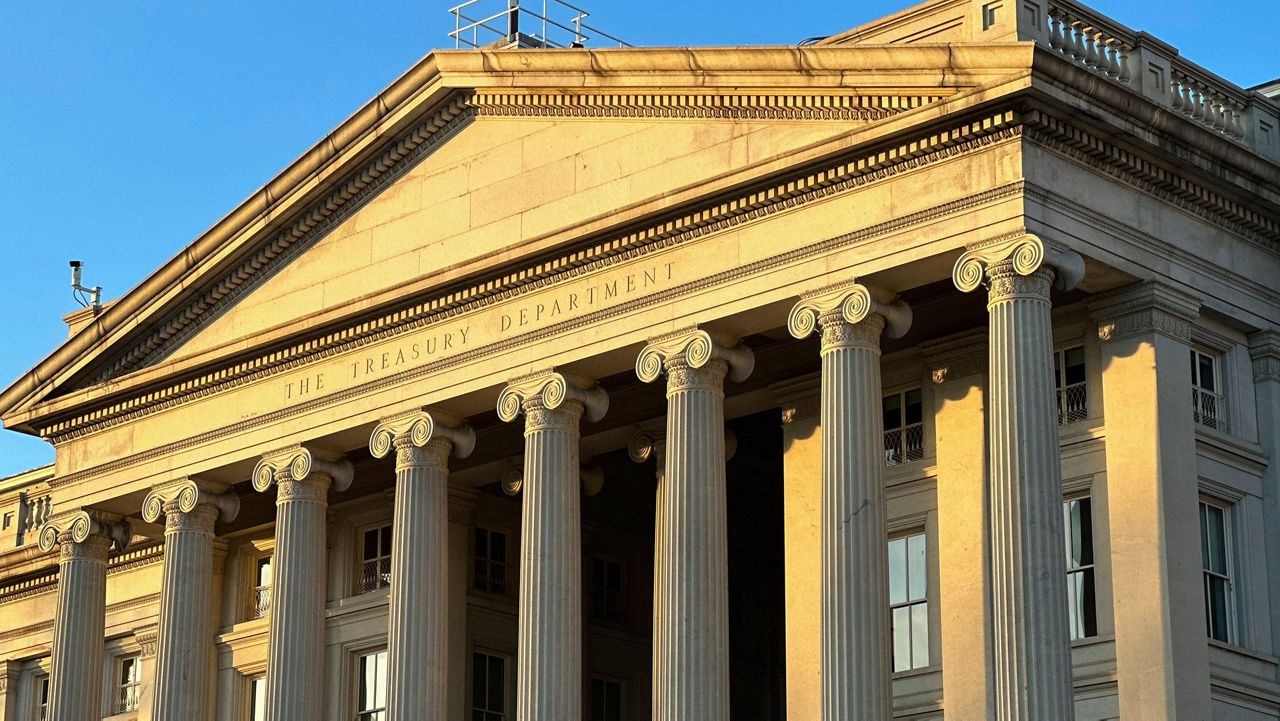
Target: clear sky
x,y
130,127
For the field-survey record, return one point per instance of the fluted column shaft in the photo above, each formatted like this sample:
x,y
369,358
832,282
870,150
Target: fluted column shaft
x,y
691,600
418,626
1031,640
184,651
549,668
75,674
856,680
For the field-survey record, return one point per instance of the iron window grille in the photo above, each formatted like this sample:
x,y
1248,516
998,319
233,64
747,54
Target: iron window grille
x,y
375,563
1208,405
903,427
491,561
1069,379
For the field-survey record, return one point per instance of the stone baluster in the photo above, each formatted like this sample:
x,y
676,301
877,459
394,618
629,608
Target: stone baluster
x,y
549,665
84,539
295,648
691,617
856,676
184,653
1030,636
418,634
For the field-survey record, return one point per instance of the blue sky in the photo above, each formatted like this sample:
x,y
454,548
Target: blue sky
x,y
131,127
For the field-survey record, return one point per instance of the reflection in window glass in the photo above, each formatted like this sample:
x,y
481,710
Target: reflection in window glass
x,y
1215,553
371,694
908,602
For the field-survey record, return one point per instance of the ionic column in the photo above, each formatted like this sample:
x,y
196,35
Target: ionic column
x,y
184,654
417,638
295,647
85,539
549,667
856,680
691,565
1030,637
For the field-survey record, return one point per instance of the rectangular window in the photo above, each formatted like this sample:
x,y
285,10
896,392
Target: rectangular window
x,y
606,700
375,559
260,596
1215,553
258,698
1068,376
1208,406
903,427
488,687
371,687
128,683
1077,521
606,589
42,698
491,561
908,602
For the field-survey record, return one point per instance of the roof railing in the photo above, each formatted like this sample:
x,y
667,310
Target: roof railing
x,y
557,25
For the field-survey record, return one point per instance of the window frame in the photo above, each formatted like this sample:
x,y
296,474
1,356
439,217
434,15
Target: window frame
x,y
904,535
1217,358
507,713
252,588
622,695
120,701
357,676
595,613
904,428
251,699
507,563
40,683
383,580
1060,385
1091,567
1231,599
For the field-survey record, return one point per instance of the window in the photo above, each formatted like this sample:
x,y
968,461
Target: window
x,y
606,700
371,691
260,598
908,602
1068,377
491,561
42,698
488,687
606,589
1077,521
375,559
903,427
1215,553
128,682
1207,403
258,698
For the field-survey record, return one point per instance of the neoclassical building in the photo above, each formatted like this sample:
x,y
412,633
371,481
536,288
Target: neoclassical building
x,y
928,371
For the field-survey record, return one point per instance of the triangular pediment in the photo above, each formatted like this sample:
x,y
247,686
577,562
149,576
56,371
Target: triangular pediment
x,y
469,162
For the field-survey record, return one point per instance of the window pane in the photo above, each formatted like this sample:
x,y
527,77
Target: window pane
x,y
497,685
1088,604
920,635
479,680
258,699
898,571
386,541
1216,603
482,543
498,550
1074,370
1206,373
902,638
893,411
916,567
497,578
1084,541
381,695
370,544
264,571
1204,536
1057,370
915,406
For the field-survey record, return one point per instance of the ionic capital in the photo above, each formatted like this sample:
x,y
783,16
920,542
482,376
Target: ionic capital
x,y
590,477
86,533
418,429
841,310
647,443
548,391
1017,256
1145,308
184,496
694,348
301,463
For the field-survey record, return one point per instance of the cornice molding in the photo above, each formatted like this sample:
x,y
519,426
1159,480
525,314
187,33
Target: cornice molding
x,y
759,105
817,183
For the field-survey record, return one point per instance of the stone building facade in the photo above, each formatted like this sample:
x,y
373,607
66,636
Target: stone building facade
x,y
931,371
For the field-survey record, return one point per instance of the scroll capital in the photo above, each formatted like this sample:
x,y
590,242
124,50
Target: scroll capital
x,y
298,463
552,390
1026,252
84,525
185,495
695,348
420,427
851,302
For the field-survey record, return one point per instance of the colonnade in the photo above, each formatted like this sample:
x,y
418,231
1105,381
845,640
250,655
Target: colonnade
x,y
690,640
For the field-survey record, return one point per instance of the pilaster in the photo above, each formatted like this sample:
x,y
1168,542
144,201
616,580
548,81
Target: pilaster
x,y
295,651
418,633
148,638
856,651
691,606
1152,489
1264,352
549,663
10,675
1031,648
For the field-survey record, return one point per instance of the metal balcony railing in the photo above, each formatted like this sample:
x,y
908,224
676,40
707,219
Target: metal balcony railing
x,y
1073,404
260,604
1209,409
904,445
127,698
558,25
375,573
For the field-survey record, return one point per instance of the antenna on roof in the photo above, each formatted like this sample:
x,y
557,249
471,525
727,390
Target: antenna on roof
x,y
86,297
